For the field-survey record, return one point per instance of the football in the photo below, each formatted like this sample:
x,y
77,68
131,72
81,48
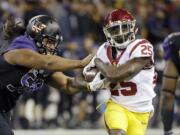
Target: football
x,y
90,74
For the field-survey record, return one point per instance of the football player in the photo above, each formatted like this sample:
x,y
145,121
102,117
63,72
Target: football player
x,y
30,61
126,63
170,77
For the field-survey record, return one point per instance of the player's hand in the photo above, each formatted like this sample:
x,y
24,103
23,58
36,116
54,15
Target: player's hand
x,y
98,83
86,60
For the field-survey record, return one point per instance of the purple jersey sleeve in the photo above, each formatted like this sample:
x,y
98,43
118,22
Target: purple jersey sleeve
x,y
22,42
167,52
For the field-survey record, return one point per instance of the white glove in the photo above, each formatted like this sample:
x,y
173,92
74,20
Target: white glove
x,y
97,83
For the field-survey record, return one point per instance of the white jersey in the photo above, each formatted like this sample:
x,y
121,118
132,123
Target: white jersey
x,y
136,93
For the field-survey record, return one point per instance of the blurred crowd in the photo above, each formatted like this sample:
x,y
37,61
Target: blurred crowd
x,y
81,22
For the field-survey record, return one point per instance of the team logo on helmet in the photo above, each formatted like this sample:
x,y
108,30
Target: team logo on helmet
x,y
38,28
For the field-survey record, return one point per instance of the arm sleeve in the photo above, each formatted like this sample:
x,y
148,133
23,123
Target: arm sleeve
x,y
22,43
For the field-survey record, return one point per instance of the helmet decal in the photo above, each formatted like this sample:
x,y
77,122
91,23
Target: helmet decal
x,y
38,28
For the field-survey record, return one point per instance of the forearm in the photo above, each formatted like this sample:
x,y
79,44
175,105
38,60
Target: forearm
x,y
123,74
167,110
31,59
110,72
169,83
118,74
126,71
67,84
56,63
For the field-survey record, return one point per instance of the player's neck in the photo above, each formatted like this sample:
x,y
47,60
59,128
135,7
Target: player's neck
x,y
114,52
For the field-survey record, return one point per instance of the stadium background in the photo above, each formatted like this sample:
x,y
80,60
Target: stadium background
x,y
81,22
